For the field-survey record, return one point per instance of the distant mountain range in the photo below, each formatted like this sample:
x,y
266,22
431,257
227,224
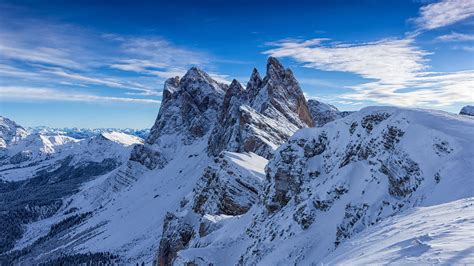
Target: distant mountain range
x,y
230,175
82,133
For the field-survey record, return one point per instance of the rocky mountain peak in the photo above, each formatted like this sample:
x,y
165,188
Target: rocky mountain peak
x,y
195,72
255,77
235,87
253,85
275,69
188,113
281,91
263,116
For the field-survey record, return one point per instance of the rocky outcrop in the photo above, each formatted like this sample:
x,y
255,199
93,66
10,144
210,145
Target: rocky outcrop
x,y
263,116
176,235
467,110
227,188
324,113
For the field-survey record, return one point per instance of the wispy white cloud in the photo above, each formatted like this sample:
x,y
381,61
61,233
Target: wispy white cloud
x,y
90,80
426,90
456,37
444,13
48,94
389,60
397,70
43,55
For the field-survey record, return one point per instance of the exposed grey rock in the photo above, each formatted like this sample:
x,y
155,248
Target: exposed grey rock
x,y
225,189
176,235
467,110
263,116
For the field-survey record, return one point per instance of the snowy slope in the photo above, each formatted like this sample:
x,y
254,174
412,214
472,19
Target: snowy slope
x,y
441,234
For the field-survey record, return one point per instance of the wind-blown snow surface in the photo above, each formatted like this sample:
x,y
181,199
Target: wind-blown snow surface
x,y
420,236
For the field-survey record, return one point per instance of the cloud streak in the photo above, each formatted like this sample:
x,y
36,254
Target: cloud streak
x,y
444,13
455,37
390,60
48,94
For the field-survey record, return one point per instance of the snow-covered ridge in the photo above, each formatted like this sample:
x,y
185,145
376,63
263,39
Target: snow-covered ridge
x,y
82,133
122,138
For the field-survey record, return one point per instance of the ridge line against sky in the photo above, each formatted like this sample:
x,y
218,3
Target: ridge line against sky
x,y
86,60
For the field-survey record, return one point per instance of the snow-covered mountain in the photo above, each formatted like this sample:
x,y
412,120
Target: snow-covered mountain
x,y
10,132
83,133
230,175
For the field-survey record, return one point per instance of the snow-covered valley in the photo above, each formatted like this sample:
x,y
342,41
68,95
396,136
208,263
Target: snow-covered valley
x,y
250,176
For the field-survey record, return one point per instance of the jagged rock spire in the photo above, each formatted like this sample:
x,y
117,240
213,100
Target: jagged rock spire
x,y
254,85
274,68
234,90
170,87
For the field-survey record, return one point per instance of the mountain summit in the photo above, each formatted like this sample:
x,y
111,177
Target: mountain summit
x,y
264,115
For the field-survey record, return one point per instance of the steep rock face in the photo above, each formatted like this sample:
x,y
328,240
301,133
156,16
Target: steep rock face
x,y
467,110
324,113
327,184
228,187
177,232
263,116
188,112
10,132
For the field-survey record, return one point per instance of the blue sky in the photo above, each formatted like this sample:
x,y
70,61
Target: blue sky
x,y
98,64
